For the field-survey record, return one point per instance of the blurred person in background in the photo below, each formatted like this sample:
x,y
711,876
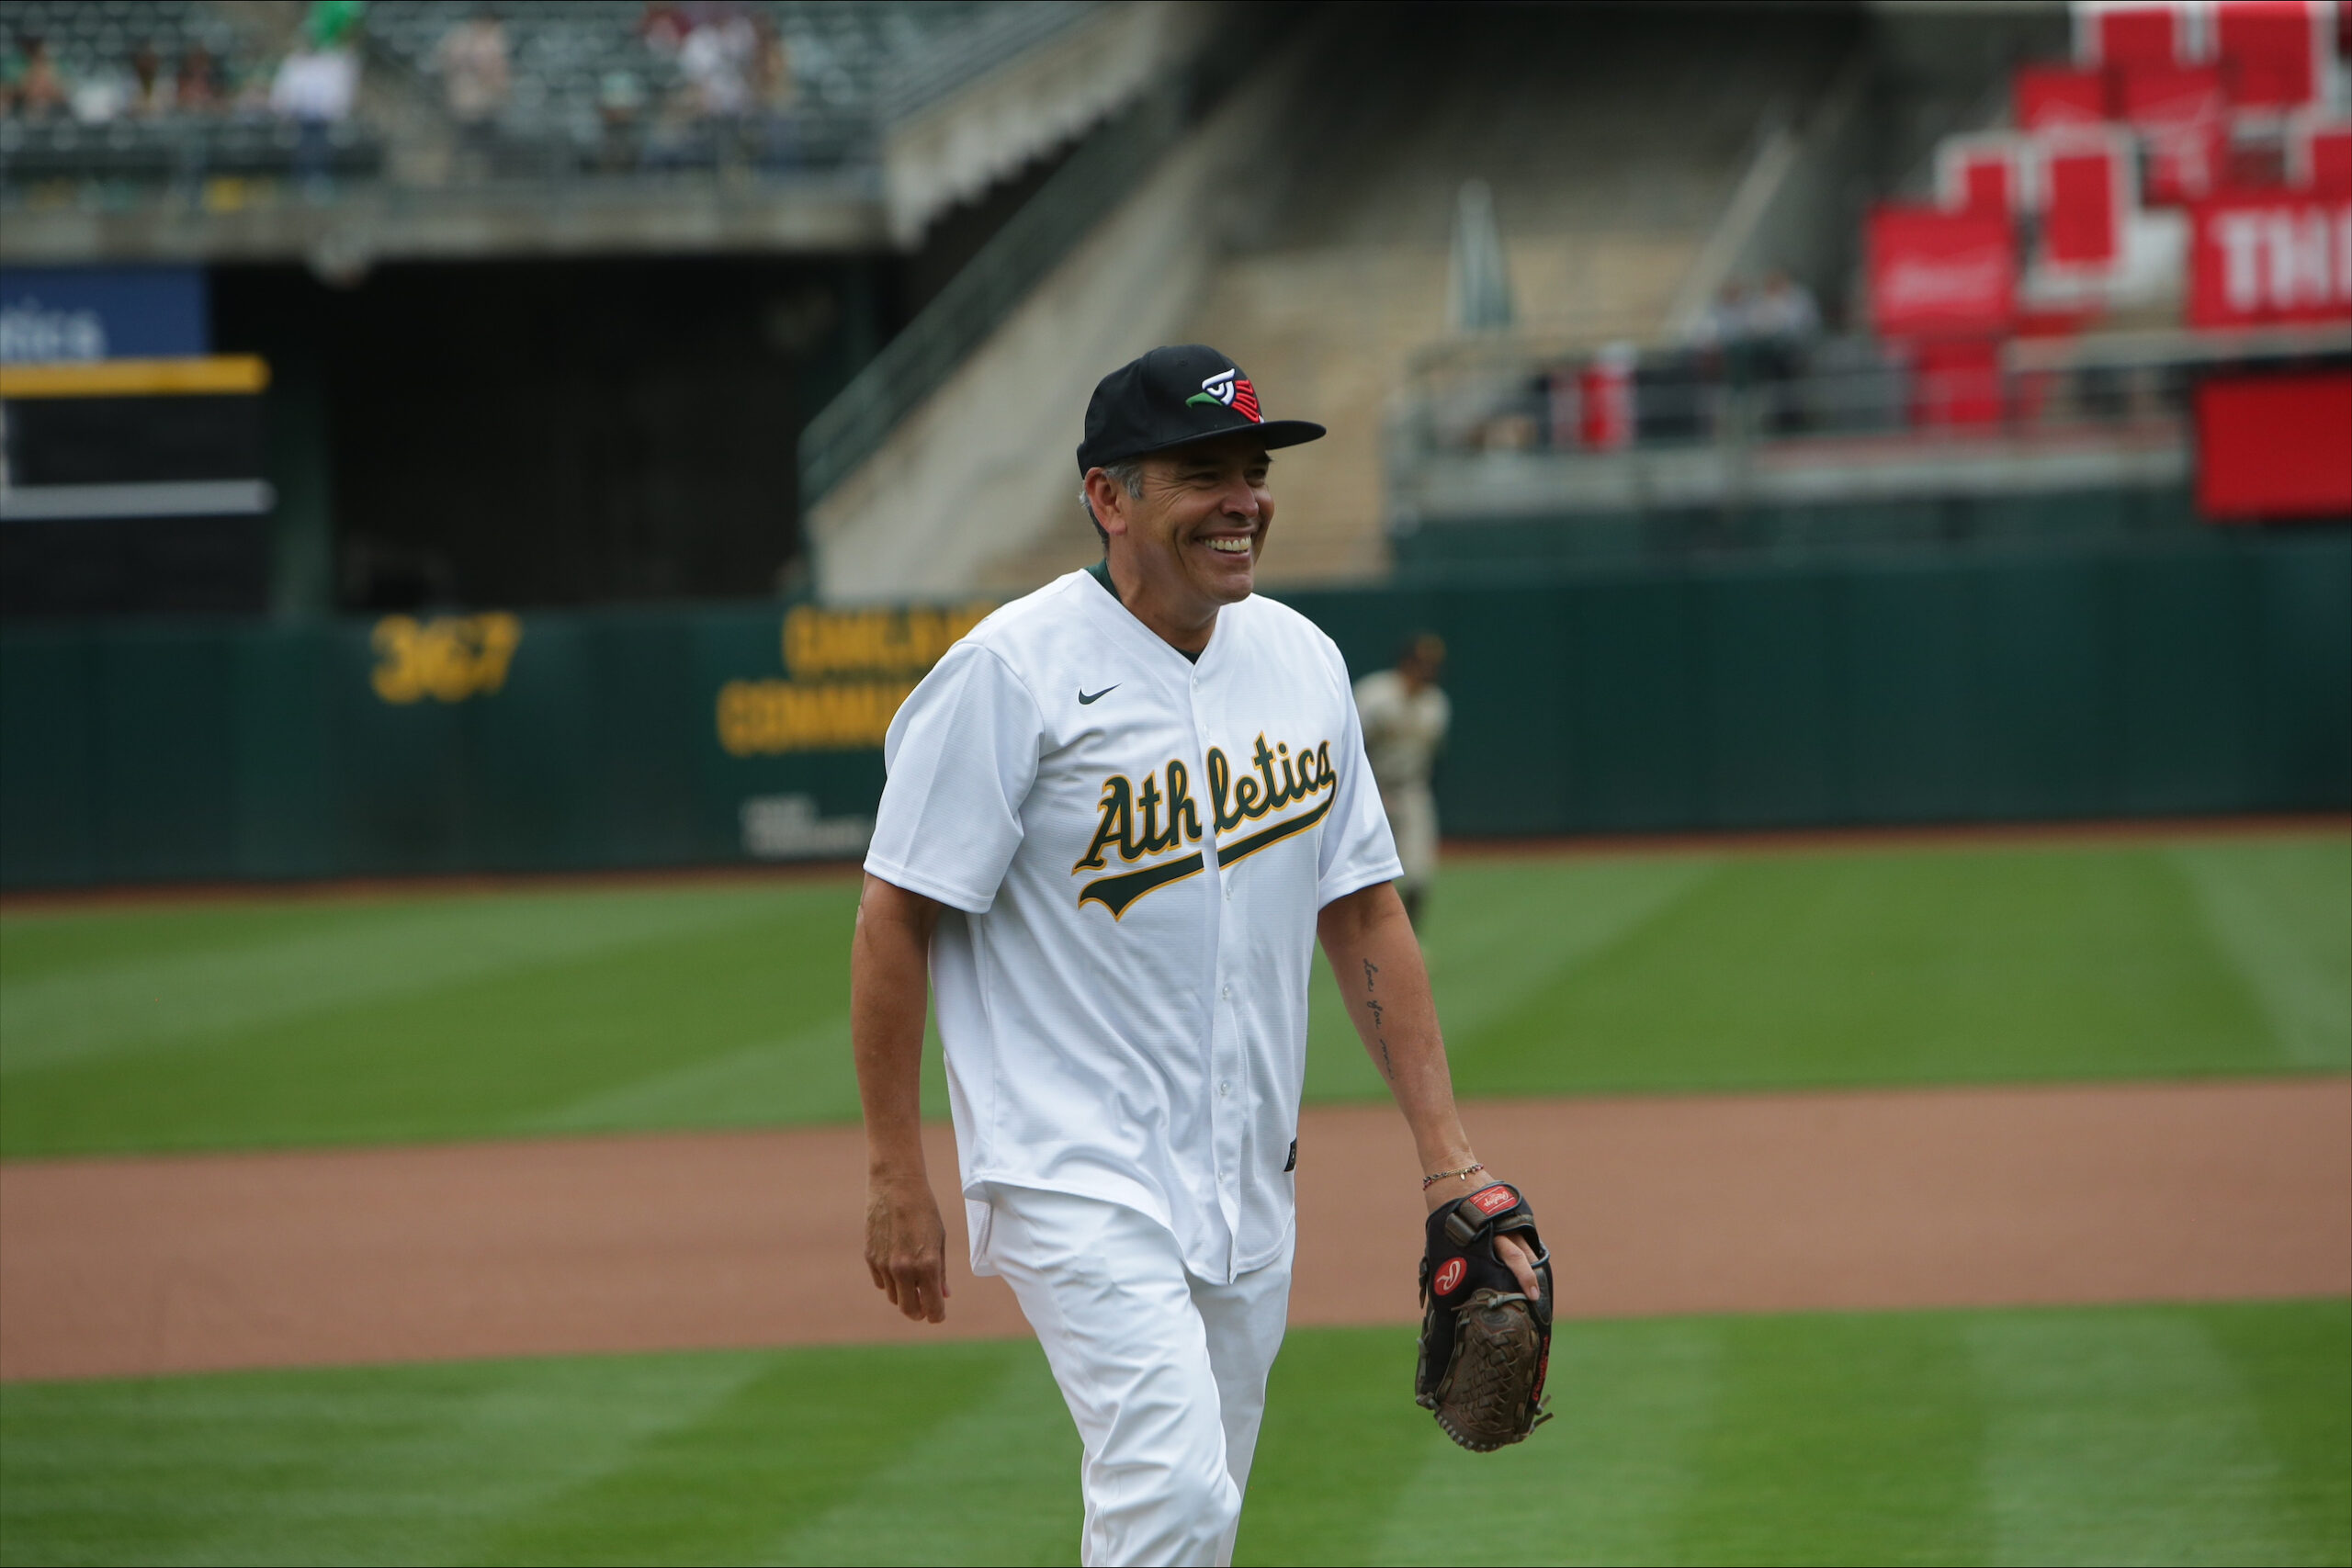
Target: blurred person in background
x,y
34,86
475,79
717,59
1405,719
775,87
620,99
1784,312
663,28
1783,319
316,87
152,92
197,88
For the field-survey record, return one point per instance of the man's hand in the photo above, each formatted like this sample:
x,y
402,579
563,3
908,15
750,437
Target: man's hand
x,y
906,1247
1515,1253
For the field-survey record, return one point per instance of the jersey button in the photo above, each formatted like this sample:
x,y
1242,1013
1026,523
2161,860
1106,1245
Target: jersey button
x,y
1226,991
1224,1089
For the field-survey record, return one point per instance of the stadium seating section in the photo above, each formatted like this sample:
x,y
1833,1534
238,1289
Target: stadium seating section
x,y
100,136
598,86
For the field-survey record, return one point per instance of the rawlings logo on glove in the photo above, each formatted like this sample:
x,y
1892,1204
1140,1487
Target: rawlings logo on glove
x,y
1485,1346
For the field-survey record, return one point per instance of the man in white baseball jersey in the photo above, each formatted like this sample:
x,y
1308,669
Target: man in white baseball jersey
x,y
1405,719
1119,814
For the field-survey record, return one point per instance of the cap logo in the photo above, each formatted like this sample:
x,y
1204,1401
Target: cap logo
x,y
1231,389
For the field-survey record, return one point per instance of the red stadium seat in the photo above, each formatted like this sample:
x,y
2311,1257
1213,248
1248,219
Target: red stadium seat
x,y
1982,173
2274,53
2319,154
2135,34
2087,194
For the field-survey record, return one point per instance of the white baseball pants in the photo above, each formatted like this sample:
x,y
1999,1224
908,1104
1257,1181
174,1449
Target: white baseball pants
x,y
1164,1373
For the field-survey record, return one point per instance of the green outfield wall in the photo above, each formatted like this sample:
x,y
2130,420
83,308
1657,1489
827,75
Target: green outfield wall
x,y
2207,675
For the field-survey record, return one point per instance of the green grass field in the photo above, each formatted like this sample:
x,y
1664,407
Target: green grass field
x,y
2213,1434
475,1015
2168,1434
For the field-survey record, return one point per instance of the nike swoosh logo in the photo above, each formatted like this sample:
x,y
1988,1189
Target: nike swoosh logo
x,y
1085,696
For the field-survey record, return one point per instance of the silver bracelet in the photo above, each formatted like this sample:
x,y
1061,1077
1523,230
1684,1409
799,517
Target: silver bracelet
x,y
1430,1182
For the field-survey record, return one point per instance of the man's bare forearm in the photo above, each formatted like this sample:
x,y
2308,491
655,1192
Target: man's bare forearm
x,y
890,972
889,982
1377,960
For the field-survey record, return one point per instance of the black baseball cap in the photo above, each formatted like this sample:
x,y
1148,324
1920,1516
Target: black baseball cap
x,y
1173,397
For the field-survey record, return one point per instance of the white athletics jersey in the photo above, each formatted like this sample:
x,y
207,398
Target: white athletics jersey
x,y
1133,848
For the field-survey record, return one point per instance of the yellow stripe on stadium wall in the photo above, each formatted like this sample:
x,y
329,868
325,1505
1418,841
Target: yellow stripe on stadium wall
x,y
213,375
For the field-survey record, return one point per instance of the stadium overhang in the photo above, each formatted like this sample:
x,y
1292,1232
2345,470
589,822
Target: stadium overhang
x,y
348,235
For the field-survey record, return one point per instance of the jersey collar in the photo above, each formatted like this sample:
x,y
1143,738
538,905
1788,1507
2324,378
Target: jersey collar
x,y
1113,611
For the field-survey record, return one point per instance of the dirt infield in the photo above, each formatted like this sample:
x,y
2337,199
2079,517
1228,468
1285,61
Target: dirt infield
x,y
1763,1203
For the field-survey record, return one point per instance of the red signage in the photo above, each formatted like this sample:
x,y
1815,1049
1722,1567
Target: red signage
x,y
1939,273
2258,260
2275,446
2053,96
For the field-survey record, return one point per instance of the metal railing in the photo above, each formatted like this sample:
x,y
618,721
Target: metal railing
x,y
1667,399
1484,433
1104,168
965,54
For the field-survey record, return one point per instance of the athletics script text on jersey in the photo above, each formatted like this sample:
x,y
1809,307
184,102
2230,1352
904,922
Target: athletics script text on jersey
x,y
1143,817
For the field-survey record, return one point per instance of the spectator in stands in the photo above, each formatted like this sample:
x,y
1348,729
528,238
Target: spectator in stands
x,y
663,28
101,96
620,99
717,59
196,89
152,92
12,76
472,60
36,89
1784,312
316,87
773,85
1782,322
1725,324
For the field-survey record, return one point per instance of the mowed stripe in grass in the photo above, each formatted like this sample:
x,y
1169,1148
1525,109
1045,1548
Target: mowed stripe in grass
x,y
439,1017
2126,1434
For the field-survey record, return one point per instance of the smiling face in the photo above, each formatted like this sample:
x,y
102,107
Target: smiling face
x,y
1189,542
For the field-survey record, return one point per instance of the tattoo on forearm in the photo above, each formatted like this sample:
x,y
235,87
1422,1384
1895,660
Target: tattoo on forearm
x,y
1379,1029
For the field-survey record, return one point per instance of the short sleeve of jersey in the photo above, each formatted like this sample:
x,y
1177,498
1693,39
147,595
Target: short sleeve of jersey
x,y
960,756
1358,848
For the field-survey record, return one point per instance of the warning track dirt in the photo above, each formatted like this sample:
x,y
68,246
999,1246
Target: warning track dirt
x,y
1778,1202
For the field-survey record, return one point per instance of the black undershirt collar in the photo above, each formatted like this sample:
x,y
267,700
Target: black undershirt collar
x,y
1100,572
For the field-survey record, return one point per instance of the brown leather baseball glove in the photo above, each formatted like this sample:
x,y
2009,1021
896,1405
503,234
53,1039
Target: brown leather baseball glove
x,y
1485,1346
